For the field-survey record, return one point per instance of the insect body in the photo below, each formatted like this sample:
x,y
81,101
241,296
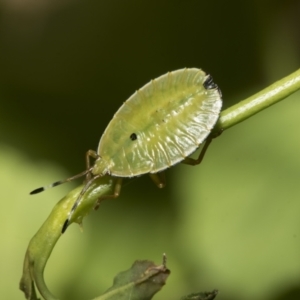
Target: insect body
x,y
159,126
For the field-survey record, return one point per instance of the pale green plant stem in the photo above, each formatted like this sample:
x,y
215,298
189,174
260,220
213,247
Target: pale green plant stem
x,y
43,242
259,101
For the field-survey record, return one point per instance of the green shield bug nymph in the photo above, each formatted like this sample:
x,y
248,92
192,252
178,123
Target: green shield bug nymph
x,y
159,126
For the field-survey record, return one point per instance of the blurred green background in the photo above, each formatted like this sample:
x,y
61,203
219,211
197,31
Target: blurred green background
x,y
232,223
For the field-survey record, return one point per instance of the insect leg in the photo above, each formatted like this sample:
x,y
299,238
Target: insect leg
x,y
159,179
89,154
117,191
193,162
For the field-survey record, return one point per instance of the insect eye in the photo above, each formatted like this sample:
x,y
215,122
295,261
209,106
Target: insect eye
x,y
133,136
209,83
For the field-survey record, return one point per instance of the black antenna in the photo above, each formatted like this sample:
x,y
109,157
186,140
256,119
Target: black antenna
x,y
41,189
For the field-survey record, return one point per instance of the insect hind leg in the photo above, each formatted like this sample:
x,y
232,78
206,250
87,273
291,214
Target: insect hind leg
x,y
193,162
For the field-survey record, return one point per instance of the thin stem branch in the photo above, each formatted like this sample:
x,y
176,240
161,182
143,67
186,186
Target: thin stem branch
x,y
258,102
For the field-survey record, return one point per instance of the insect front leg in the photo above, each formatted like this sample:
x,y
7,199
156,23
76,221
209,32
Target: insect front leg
x,y
89,154
117,191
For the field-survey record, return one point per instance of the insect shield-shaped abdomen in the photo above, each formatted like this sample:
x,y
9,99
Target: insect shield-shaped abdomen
x,y
161,124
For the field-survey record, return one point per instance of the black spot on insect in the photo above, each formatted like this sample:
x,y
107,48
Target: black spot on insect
x,y
209,83
133,136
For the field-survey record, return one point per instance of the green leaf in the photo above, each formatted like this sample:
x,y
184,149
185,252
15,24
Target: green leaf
x,y
140,282
201,296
